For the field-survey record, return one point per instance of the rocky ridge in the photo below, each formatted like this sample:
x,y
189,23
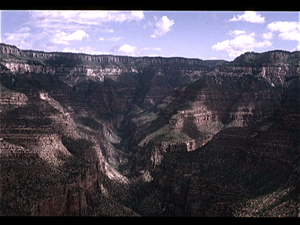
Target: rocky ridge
x,y
116,135
151,78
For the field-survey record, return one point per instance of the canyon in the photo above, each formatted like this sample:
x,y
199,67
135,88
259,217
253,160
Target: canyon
x,y
105,135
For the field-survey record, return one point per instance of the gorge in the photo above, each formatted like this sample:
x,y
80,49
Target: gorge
x,y
105,135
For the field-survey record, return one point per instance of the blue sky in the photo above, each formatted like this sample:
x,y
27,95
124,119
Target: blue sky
x,y
192,34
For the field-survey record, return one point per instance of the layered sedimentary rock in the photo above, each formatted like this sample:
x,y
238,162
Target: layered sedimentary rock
x,y
127,136
146,79
194,114
51,161
94,65
240,172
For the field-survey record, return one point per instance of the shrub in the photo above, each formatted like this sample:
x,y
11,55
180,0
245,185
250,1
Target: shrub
x,y
77,146
89,122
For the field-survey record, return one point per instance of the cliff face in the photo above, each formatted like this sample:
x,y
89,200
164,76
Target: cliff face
x,y
52,162
71,64
247,171
192,115
115,135
146,79
274,67
195,117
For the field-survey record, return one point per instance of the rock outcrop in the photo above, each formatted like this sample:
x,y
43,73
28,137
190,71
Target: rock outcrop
x,y
146,79
244,171
104,135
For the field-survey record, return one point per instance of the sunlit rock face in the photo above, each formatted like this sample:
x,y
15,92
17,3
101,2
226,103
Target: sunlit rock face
x,y
101,135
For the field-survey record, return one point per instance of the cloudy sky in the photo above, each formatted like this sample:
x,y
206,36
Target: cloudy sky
x,y
195,34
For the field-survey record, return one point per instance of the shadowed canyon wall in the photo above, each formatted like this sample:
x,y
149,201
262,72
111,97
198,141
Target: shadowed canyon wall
x,y
104,135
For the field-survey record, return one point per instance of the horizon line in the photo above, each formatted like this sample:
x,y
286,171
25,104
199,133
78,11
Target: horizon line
x,y
145,56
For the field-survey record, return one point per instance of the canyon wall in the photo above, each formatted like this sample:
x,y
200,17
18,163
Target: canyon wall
x,y
126,136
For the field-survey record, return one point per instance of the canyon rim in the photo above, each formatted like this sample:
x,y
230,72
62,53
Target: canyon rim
x,y
106,135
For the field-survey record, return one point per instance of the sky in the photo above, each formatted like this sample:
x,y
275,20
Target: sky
x,y
191,34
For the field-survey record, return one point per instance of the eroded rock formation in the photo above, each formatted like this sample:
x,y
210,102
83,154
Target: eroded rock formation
x,y
101,135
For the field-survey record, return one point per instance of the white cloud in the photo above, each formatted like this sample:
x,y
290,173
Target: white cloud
x,y
65,38
51,19
290,36
153,55
24,29
20,38
156,49
68,49
16,36
77,36
86,50
46,40
148,24
249,16
113,38
283,26
138,15
117,16
106,30
128,49
268,35
288,30
133,50
47,30
163,25
237,32
60,38
240,44
109,39
153,48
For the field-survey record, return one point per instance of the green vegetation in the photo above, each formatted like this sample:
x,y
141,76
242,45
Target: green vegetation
x,y
229,168
171,137
77,146
4,89
258,59
89,122
29,81
144,118
34,123
62,60
128,80
31,110
29,116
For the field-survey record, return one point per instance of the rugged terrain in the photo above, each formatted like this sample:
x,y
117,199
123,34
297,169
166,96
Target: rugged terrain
x,y
103,135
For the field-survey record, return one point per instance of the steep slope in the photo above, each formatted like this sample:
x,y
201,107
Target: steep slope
x,y
246,169
240,172
192,115
59,114
127,136
51,160
147,78
224,110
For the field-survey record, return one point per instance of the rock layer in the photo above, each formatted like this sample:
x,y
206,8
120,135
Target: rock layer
x,y
101,135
